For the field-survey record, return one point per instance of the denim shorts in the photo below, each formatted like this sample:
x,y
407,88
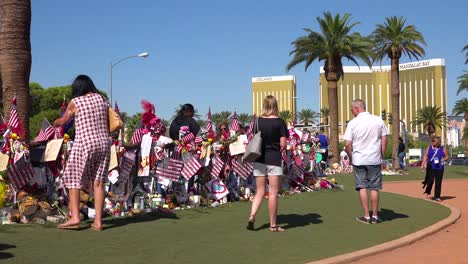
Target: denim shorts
x,y
261,169
368,177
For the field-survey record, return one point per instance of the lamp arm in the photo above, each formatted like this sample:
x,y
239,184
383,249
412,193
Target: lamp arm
x,y
126,58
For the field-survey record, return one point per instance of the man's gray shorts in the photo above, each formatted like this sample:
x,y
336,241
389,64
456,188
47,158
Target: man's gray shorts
x,y
368,177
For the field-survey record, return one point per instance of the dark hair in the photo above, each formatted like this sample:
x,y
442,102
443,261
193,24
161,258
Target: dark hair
x,y
185,109
83,85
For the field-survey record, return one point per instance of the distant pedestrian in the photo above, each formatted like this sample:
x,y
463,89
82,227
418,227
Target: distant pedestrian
x,y
90,155
401,152
323,140
365,142
433,160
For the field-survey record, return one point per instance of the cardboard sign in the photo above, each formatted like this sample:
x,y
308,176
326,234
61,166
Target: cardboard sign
x,y
237,147
113,163
3,161
52,149
217,189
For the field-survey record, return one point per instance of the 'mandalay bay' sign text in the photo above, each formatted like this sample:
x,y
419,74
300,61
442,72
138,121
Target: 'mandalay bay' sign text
x,y
414,65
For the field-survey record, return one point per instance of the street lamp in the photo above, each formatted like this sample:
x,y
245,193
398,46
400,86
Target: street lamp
x,y
112,65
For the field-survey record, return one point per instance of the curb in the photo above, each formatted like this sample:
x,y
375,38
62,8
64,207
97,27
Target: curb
x,y
397,243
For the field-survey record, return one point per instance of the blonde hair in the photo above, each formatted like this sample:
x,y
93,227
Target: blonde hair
x,y
437,139
270,106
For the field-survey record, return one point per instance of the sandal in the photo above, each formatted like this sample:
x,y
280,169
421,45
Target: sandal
x,y
96,228
65,226
276,229
250,224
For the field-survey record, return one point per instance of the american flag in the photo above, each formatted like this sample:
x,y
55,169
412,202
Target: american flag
x,y
46,132
116,108
209,125
126,164
298,170
243,170
251,126
198,140
234,122
63,129
216,167
3,126
190,168
14,119
170,169
137,136
20,173
187,138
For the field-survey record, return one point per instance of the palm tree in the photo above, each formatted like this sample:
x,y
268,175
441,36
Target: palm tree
x,y
325,114
165,122
430,117
201,122
461,107
15,57
307,115
243,118
286,115
222,117
462,82
465,49
334,42
392,39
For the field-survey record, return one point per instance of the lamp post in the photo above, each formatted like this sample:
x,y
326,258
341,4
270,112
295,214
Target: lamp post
x,y
112,65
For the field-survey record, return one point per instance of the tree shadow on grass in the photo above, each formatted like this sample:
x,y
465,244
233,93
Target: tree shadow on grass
x,y
389,215
122,221
295,220
6,255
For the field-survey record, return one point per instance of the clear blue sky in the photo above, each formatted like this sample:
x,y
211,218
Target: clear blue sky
x,y
205,52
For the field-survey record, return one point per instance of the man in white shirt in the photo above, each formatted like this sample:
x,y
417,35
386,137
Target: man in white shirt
x,y
365,142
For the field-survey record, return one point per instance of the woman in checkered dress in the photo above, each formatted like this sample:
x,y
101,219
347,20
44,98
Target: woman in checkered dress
x,y
90,154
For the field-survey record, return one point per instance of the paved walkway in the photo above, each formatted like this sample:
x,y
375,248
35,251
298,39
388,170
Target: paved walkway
x,y
449,245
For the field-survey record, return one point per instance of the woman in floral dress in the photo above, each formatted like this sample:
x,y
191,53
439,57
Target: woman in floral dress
x,y
90,154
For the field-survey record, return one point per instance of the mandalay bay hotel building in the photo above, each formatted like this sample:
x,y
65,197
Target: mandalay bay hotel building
x,y
422,83
282,87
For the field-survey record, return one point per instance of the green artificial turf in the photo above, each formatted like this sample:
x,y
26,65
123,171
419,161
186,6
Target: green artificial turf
x,y
318,225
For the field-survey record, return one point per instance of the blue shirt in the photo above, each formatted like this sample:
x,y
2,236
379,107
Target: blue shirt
x,y
435,158
323,141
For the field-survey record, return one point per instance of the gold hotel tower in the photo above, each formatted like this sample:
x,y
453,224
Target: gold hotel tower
x,y
281,87
422,83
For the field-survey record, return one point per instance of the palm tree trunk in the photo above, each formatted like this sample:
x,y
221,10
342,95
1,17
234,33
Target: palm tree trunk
x,y
465,140
15,57
395,83
333,103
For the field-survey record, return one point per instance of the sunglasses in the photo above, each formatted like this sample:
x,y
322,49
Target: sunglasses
x,y
223,128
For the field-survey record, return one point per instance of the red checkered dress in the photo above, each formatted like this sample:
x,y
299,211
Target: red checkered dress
x,y
90,154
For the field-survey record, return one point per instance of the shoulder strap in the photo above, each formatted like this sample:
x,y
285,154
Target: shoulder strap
x,y
435,153
256,125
